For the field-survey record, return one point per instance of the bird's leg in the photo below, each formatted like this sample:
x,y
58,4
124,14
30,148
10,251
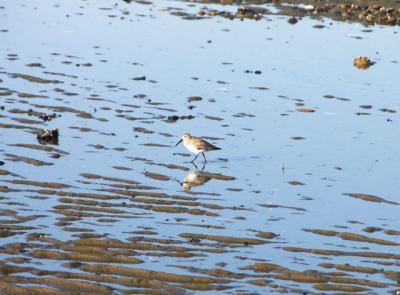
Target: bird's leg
x,y
195,166
205,160
195,158
204,165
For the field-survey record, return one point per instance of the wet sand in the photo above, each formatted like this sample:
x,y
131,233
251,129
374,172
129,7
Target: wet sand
x,y
96,199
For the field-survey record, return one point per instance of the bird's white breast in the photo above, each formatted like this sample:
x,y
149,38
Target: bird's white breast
x,y
191,147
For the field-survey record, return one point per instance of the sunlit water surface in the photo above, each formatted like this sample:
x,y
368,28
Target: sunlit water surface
x,y
306,178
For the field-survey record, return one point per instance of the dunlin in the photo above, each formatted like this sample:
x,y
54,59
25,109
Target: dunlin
x,y
197,145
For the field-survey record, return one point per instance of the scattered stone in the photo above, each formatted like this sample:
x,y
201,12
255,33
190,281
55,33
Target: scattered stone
x,y
47,117
248,12
292,20
48,136
194,98
194,240
175,118
140,78
212,13
140,95
362,62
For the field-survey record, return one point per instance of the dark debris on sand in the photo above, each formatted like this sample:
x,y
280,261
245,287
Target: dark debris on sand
x,y
175,118
48,136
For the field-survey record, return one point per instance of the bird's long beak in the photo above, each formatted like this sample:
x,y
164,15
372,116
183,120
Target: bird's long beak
x,y
178,142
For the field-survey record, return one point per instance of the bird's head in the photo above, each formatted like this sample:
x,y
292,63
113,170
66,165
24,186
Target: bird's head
x,y
185,137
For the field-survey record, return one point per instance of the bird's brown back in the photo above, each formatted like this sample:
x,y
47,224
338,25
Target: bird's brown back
x,y
203,145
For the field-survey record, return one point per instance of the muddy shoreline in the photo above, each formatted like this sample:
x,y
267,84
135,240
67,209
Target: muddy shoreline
x,y
365,12
95,198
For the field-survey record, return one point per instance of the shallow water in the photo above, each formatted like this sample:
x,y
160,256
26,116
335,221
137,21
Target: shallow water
x,y
303,196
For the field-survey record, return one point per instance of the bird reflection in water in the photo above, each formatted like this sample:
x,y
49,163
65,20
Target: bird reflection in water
x,y
200,177
194,178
